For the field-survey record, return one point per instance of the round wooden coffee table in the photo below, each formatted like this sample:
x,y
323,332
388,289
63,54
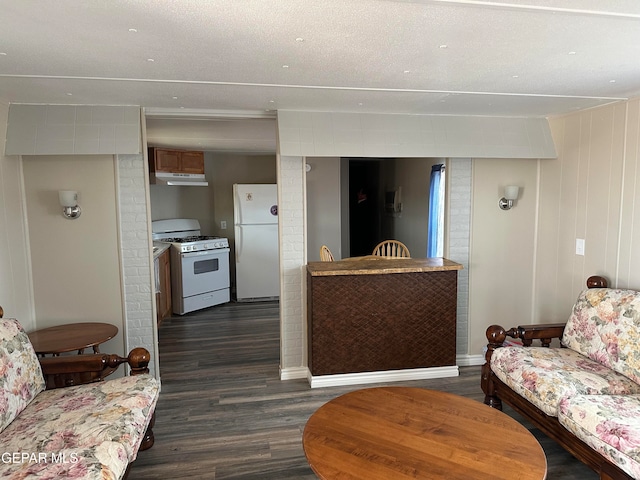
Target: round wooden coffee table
x,y
402,432
71,336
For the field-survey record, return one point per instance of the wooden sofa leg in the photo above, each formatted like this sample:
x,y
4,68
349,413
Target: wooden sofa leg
x,y
490,397
147,441
608,472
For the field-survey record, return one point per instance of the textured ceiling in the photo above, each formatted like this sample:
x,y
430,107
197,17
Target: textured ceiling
x,y
454,57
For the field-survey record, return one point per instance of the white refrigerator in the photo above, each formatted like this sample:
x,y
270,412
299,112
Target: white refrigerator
x,y
255,216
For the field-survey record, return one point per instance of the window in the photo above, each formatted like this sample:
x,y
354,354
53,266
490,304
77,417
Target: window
x,y
435,235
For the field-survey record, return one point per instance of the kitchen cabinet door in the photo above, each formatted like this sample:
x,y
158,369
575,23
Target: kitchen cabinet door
x,y
175,161
163,297
167,160
191,162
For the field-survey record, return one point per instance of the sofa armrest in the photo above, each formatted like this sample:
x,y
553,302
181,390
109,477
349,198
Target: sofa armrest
x,y
545,332
496,335
79,369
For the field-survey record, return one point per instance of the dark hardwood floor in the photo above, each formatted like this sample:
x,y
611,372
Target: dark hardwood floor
x,y
223,413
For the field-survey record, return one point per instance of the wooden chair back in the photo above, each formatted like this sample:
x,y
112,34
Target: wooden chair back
x,y
325,254
391,248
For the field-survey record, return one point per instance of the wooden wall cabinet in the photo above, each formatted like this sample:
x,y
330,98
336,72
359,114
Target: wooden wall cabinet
x,y
163,295
175,161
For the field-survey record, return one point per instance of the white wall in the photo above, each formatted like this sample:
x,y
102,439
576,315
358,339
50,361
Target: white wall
x,y
181,202
502,256
411,225
323,207
591,192
16,289
76,263
73,129
340,134
628,266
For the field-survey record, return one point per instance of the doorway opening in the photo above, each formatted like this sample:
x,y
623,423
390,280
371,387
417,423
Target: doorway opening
x,y
364,211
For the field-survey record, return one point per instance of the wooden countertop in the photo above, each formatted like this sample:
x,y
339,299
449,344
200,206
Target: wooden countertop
x,y
161,248
371,265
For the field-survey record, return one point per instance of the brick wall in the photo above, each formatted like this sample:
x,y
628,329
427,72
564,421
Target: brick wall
x,y
137,271
459,231
291,213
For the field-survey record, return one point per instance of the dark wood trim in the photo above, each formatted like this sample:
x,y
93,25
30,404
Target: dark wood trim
x,y
71,370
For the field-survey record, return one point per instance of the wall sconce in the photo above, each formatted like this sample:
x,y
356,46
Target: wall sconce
x,y
510,195
69,202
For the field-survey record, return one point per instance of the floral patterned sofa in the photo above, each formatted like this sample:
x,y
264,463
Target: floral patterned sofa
x,y
585,395
83,431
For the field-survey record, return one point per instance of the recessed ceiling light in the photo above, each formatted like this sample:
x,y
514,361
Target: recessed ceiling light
x,y
285,66
133,30
299,39
612,81
175,98
4,54
360,103
407,71
272,101
443,46
572,53
69,94
514,76
150,60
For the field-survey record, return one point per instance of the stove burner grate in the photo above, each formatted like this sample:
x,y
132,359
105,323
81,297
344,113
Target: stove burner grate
x,y
193,238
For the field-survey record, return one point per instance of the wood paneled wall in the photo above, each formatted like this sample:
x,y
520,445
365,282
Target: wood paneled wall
x,y
589,192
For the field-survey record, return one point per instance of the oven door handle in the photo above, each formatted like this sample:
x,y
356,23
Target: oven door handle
x,y
201,253
205,253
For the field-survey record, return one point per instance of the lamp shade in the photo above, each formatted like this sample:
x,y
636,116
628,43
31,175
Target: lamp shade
x,y
511,192
68,198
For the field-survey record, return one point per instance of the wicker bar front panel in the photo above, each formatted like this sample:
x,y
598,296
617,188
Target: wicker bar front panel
x,y
366,323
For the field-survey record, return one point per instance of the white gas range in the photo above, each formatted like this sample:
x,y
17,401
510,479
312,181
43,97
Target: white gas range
x,y
199,265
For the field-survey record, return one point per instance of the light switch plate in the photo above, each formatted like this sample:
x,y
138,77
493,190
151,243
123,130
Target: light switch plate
x,y
223,225
579,246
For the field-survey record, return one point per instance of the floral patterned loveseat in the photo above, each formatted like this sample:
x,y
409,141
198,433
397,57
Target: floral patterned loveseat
x,y
586,395
86,431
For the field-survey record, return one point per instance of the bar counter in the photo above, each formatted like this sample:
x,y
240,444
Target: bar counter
x,y
367,316
372,265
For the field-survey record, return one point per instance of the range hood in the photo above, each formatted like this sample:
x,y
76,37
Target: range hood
x,y
179,179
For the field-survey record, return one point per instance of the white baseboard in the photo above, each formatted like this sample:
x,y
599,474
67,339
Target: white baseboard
x,y
381,376
293,373
469,360
465,360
